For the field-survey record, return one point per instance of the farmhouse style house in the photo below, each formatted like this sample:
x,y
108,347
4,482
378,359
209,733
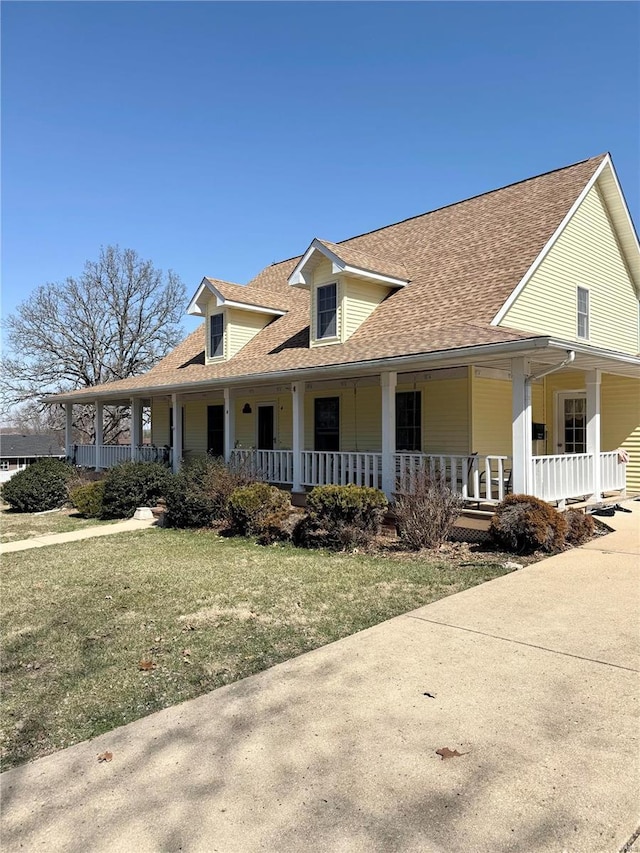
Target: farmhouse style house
x,y
494,340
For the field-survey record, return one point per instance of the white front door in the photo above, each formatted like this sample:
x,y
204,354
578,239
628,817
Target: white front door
x,y
571,422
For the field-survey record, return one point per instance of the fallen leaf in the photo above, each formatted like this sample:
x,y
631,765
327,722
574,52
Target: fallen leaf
x,y
189,627
445,752
186,652
146,665
105,756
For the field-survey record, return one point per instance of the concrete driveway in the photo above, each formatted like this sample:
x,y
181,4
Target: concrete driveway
x,y
533,677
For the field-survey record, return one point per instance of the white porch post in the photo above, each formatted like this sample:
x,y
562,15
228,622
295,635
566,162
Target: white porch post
x,y
99,430
176,438
593,429
68,430
229,424
521,426
297,392
136,426
388,381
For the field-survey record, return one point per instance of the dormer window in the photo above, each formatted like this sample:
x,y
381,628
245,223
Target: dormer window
x,y
327,297
216,336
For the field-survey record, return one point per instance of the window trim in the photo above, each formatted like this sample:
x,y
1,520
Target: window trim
x,y
336,335
210,355
583,314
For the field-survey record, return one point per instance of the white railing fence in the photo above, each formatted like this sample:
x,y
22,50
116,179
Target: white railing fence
x,y
273,466
473,477
567,475
613,472
84,455
321,468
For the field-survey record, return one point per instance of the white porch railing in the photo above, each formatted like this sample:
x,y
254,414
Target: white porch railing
x,y
321,468
567,475
613,472
274,466
484,479
113,454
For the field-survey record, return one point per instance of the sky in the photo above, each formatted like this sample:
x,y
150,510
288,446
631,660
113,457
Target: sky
x,y
217,138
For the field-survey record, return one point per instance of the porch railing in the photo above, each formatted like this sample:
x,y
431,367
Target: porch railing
x,y
613,472
274,466
84,455
320,468
485,479
567,475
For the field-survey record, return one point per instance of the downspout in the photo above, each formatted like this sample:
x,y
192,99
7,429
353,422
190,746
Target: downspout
x,y
571,357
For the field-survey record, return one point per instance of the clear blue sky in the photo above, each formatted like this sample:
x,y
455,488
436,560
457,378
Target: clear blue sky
x,y
215,138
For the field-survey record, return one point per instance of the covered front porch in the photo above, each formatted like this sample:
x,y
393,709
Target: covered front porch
x,y
561,431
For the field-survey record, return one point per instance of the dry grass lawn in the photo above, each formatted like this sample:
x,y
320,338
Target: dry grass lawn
x,y
100,632
26,525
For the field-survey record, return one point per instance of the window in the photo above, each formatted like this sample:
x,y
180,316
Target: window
x,y
327,311
4,464
409,421
583,312
216,336
327,423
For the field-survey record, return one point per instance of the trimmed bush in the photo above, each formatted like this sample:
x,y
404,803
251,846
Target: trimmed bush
x,y
259,510
580,527
425,517
38,487
199,495
524,524
343,516
88,499
133,484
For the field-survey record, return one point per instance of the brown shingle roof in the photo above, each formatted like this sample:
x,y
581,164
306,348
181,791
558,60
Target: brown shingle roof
x,y
253,296
464,260
367,261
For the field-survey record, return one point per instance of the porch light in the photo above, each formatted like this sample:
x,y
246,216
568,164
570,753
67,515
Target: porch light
x,y
246,409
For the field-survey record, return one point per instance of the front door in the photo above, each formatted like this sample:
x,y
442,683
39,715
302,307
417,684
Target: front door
x,y
215,430
266,432
571,435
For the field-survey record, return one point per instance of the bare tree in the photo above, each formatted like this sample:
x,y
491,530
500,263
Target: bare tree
x,y
118,319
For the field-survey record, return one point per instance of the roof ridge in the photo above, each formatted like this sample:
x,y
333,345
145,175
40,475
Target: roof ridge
x,y
460,201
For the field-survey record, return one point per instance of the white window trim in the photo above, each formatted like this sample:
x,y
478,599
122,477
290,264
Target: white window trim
x,y
580,337
213,359
333,339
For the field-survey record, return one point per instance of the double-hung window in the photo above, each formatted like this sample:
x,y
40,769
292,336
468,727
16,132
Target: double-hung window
x,y
327,311
408,421
583,312
216,335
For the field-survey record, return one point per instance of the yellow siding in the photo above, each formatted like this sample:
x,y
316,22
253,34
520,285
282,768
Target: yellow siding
x,y
620,406
194,440
360,300
492,414
585,254
160,423
241,327
445,415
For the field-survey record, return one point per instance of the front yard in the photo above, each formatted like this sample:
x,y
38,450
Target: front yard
x,y
98,633
26,525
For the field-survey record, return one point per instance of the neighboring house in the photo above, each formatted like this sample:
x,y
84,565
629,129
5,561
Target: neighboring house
x,y
495,340
18,451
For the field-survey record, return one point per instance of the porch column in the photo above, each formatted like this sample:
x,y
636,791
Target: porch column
x,y
593,429
388,381
176,438
521,426
229,424
136,427
68,430
99,431
297,393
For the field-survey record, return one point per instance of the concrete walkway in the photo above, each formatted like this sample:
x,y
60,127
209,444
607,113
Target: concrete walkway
x,y
533,677
75,535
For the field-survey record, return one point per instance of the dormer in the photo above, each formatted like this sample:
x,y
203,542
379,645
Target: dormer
x,y
234,314
345,286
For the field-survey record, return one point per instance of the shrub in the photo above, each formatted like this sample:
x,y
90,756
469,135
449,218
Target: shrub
x,y
38,487
199,495
580,527
425,517
259,510
348,516
88,499
524,524
133,484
